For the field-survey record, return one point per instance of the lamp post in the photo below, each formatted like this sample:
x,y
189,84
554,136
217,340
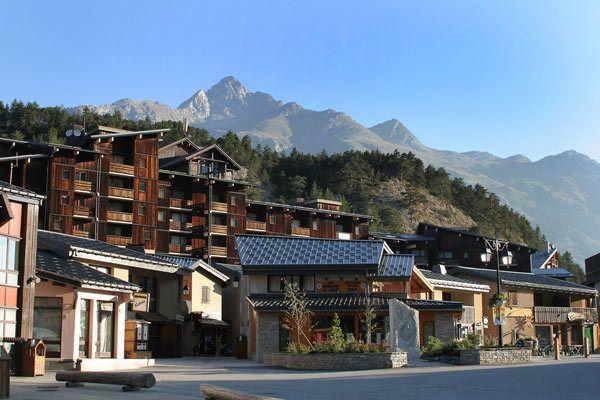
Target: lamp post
x,y
497,246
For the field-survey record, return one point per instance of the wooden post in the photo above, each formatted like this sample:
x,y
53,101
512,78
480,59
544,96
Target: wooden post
x,y
557,347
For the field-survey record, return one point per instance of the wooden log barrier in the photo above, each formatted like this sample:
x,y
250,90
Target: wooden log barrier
x,y
130,380
220,393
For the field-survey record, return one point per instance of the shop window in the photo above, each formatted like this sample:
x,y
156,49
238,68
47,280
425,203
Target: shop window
x,y
106,329
47,323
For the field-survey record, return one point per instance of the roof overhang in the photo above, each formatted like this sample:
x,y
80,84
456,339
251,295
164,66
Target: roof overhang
x,y
110,258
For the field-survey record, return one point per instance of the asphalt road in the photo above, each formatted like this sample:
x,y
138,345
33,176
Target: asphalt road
x,y
179,379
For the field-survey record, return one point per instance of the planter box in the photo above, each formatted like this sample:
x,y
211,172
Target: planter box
x,y
337,361
495,356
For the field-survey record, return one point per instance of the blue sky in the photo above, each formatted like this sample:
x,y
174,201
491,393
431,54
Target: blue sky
x,y
507,76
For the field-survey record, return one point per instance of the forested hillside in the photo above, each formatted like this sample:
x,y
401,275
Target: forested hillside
x,y
393,188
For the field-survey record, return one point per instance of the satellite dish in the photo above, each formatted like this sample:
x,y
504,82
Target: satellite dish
x,y
69,133
77,132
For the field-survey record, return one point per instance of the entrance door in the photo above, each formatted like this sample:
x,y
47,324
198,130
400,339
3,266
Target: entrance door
x,y
47,323
588,332
84,328
106,328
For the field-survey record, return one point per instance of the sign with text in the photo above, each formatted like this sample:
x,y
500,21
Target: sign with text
x,y
140,302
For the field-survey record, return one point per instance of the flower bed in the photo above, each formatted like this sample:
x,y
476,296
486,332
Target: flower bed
x,y
337,361
494,355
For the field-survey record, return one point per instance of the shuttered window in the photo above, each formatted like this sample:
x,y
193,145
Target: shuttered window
x,y
206,294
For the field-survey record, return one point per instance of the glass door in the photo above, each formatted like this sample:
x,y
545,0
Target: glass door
x,y
84,328
47,323
106,325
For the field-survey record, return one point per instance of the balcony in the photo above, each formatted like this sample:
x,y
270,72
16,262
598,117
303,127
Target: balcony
x,y
217,206
119,216
121,169
179,248
82,211
256,225
179,226
120,192
557,315
218,251
468,316
181,203
300,231
80,233
218,229
118,240
83,186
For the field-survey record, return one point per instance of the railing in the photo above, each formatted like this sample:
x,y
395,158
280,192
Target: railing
x,y
179,248
218,251
118,240
219,229
121,168
83,186
468,315
256,225
549,315
82,211
119,216
85,234
218,206
120,192
181,203
300,231
179,226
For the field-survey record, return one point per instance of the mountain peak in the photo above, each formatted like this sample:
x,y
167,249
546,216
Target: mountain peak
x,y
198,104
395,131
228,88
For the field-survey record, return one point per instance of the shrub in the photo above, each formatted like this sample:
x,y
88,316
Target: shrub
x,y
335,337
435,347
490,341
297,348
432,347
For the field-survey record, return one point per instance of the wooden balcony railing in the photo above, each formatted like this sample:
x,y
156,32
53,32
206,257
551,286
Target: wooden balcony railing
x,y
179,226
121,168
120,192
218,229
218,251
256,225
82,211
300,231
119,216
468,316
79,233
181,203
118,240
179,248
218,207
549,315
83,186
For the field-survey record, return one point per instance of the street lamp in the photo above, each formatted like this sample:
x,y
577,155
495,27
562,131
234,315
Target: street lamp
x,y
497,246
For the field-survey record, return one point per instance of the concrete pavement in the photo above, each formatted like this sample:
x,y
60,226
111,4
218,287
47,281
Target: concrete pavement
x,y
178,379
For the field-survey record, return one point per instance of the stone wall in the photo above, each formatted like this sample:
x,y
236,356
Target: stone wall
x,y
444,326
267,335
337,361
494,356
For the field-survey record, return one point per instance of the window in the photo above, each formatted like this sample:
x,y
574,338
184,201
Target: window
x,y
418,252
66,174
57,224
205,294
106,270
9,261
47,323
142,162
147,234
161,215
315,225
295,223
445,255
357,230
446,296
276,283
142,186
64,200
176,194
466,255
233,222
233,200
272,219
142,210
118,159
148,285
162,193
513,299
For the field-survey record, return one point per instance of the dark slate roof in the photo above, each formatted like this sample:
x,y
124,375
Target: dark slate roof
x,y
272,251
231,270
193,264
552,272
337,302
53,239
396,266
305,208
448,278
401,236
53,267
539,258
19,191
526,280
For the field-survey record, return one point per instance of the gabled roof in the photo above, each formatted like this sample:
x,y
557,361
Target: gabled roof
x,y
198,153
52,267
525,280
540,258
211,178
446,281
17,191
395,266
285,251
69,246
185,139
195,264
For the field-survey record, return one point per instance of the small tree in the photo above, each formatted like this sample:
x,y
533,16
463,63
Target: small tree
x,y
297,313
335,337
369,315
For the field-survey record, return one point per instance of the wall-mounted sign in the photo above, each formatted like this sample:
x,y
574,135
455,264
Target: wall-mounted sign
x,y
140,302
575,316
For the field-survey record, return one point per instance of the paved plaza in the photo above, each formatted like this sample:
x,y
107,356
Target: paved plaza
x,y
178,379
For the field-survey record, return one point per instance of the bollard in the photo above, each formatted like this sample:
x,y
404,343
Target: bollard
x,y
556,348
586,347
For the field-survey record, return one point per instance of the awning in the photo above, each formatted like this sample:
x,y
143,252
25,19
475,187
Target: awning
x,y
211,322
153,317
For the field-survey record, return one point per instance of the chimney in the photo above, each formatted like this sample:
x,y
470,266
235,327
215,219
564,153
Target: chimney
x,y
185,125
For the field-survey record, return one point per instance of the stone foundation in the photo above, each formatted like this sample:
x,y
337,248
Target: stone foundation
x,y
337,361
492,356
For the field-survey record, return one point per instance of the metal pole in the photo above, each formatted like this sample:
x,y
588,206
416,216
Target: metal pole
x,y
497,245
